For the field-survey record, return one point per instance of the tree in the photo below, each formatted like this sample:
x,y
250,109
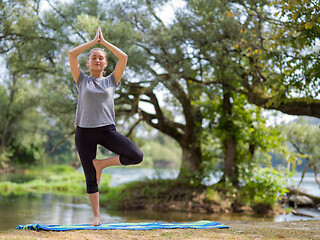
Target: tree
x,y
282,62
244,48
21,125
165,65
197,55
29,53
210,47
210,30
304,138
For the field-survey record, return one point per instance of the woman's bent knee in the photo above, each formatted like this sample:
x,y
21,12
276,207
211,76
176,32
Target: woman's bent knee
x,y
134,158
139,157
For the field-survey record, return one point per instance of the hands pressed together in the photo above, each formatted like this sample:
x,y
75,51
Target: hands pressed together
x,y
99,37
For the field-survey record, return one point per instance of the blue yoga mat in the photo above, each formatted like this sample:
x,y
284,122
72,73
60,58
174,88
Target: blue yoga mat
x,y
125,226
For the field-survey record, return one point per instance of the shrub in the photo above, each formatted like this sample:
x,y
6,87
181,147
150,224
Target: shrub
x,y
263,186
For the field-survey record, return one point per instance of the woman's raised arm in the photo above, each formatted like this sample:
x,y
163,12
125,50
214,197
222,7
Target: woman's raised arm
x,y
74,53
122,57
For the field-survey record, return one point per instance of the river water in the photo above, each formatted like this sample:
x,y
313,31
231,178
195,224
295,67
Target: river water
x,y
62,209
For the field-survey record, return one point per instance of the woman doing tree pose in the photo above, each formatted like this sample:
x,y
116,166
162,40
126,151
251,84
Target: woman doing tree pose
x,y
95,117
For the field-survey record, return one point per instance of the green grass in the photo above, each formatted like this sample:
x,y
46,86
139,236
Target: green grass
x,y
51,178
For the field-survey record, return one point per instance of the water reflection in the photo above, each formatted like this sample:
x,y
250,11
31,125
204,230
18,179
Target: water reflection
x,y
147,215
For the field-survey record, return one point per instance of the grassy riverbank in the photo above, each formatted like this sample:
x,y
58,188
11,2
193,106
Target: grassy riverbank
x,y
153,194
158,194
238,230
60,179
165,195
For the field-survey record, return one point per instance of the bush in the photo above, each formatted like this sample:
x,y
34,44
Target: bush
x,y
264,186
5,159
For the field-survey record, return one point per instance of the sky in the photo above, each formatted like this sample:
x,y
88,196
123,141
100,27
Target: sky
x,y
167,12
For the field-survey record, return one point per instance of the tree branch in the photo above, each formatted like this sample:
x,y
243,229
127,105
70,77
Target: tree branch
x,y
169,127
66,19
133,127
62,141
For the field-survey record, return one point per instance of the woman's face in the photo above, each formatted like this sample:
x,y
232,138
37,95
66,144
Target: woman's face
x,y
97,61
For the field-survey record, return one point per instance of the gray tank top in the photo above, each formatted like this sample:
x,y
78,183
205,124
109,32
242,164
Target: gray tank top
x,y
95,106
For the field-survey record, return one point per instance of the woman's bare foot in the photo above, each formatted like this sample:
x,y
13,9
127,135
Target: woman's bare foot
x,y
96,221
99,167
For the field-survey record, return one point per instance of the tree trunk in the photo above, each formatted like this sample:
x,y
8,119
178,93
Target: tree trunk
x,y
230,143
188,138
3,145
190,168
188,135
229,161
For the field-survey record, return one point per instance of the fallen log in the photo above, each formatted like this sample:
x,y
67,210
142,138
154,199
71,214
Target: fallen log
x,y
299,198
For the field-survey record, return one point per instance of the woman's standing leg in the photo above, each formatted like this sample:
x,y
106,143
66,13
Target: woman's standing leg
x,y
95,205
86,144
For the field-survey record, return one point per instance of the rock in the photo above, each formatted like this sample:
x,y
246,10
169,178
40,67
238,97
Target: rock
x,y
299,213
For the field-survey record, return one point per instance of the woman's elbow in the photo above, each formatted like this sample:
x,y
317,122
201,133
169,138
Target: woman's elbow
x,y
125,57
71,53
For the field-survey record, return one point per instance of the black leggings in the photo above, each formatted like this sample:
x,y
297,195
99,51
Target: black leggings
x,y
87,140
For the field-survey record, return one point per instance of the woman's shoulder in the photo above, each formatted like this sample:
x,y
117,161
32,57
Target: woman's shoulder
x,y
110,78
110,75
82,77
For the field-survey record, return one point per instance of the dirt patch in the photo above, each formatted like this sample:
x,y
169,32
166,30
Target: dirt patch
x,y
238,230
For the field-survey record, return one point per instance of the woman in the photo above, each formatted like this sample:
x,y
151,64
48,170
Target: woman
x,y
95,118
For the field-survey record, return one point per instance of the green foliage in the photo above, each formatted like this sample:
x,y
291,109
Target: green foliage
x,y
213,195
161,152
304,138
254,140
5,157
263,185
21,124
302,20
